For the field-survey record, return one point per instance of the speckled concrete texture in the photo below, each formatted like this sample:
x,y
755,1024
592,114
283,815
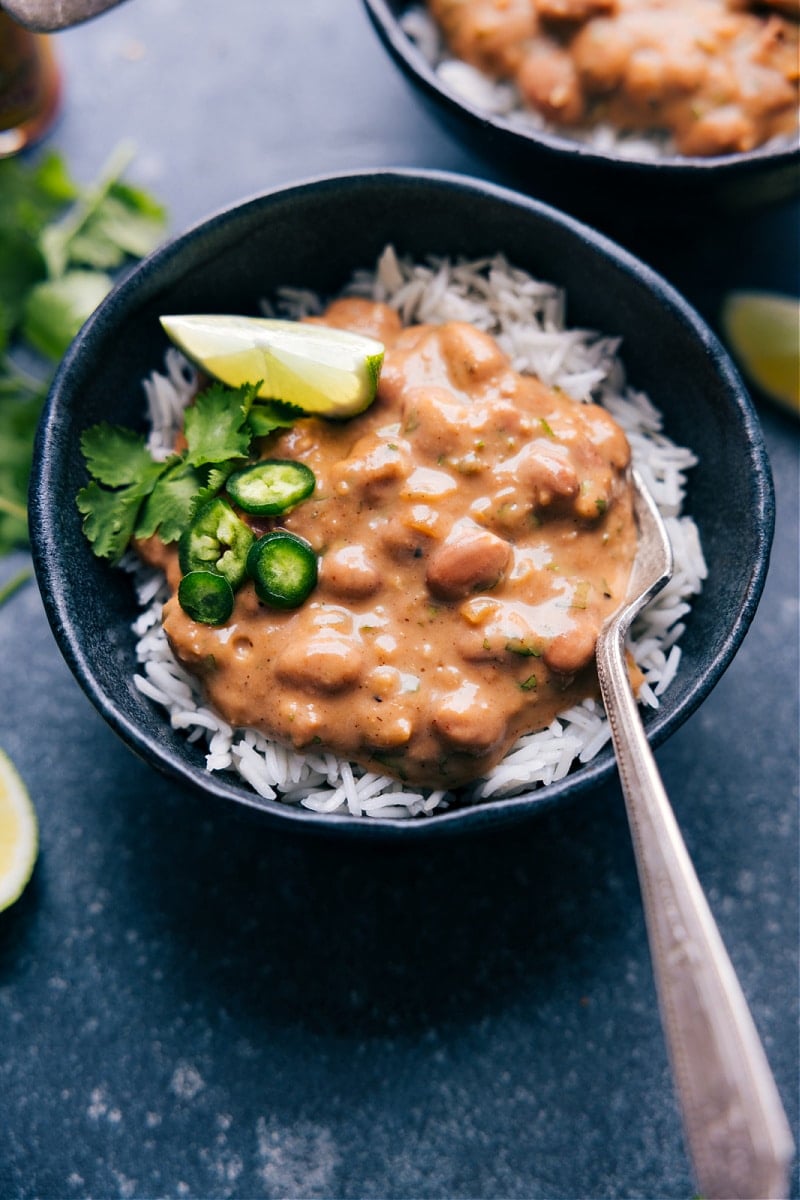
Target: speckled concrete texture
x,y
190,1007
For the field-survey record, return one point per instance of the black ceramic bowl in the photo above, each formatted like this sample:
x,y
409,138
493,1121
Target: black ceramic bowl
x,y
594,185
315,234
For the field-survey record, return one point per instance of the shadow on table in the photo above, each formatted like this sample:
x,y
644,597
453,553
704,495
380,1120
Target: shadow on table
x,y
17,922
332,934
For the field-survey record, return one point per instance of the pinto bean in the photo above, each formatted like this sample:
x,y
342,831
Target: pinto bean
x,y
573,650
387,726
487,33
467,719
544,471
434,420
721,131
401,541
472,356
574,10
604,433
371,469
327,662
467,560
348,573
548,80
601,51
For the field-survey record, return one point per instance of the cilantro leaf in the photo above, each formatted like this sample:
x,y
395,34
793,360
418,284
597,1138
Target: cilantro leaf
x,y
113,233
169,507
57,237
108,223
23,268
30,197
119,459
216,426
132,495
267,416
20,405
137,200
53,180
110,516
217,477
116,455
55,309
58,240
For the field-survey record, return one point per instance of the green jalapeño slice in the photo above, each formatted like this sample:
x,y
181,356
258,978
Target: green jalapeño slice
x,y
271,487
218,541
283,568
206,597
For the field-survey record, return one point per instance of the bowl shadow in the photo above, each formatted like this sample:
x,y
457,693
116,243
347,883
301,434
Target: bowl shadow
x,y
333,937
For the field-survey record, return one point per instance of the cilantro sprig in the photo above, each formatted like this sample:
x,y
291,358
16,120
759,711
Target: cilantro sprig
x,y
132,495
61,245
21,400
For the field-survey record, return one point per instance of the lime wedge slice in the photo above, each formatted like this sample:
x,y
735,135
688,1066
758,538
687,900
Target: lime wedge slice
x,y
332,372
763,332
19,834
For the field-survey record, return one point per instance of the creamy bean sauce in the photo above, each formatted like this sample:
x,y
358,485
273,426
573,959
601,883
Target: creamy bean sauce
x,y
719,76
474,528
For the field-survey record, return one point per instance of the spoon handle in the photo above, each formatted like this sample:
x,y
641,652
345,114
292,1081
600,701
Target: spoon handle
x,y
735,1126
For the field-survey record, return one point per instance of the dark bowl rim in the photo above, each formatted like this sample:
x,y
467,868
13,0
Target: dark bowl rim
x,y
479,817
723,166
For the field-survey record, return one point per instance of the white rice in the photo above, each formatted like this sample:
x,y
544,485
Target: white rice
x,y
527,317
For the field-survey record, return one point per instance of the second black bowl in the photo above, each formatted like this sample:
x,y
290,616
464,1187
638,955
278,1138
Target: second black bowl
x,y
598,185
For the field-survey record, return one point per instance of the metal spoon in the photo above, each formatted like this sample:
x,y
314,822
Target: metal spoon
x,y
735,1126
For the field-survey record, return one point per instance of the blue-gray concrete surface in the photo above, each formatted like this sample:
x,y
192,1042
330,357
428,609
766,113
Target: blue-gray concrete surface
x,y
190,1007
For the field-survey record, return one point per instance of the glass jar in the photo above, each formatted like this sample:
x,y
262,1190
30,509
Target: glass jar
x,y
30,86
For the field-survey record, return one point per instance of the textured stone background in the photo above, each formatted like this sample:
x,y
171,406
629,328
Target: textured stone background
x,y
192,1007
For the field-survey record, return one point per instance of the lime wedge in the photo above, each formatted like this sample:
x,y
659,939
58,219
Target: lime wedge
x,y
322,370
19,834
763,331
